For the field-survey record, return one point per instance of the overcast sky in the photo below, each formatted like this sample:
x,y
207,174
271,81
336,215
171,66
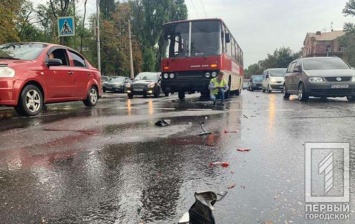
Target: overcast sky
x,y
261,26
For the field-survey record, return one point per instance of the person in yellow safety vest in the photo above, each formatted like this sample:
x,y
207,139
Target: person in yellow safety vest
x,y
217,88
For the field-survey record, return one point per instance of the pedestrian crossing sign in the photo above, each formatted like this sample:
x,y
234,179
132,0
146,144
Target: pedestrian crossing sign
x,y
66,26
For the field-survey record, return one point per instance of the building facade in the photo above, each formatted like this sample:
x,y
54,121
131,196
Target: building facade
x,y
323,44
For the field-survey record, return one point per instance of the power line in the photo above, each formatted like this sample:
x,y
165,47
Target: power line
x,y
195,9
203,7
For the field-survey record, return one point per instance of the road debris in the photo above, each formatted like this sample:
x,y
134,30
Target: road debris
x,y
222,164
243,149
231,186
162,123
227,131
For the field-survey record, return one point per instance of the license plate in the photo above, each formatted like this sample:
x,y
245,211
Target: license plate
x,y
339,86
138,90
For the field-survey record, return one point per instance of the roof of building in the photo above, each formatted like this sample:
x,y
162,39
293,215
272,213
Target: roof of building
x,y
325,36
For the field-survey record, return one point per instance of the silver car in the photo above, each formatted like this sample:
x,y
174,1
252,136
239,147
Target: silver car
x,y
319,77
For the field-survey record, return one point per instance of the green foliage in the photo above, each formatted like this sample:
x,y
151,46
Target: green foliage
x,y
348,40
9,9
148,19
107,7
253,69
281,58
349,8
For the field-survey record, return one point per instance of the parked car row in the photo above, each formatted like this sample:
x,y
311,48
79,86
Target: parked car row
x,y
116,84
272,79
305,77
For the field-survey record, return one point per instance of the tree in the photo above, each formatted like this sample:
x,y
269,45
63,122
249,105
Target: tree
x,y
281,58
26,24
9,9
253,69
148,19
348,40
107,7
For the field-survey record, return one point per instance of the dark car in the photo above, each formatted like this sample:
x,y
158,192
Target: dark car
x,y
116,84
145,83
255,82
245,85
33,74
319,77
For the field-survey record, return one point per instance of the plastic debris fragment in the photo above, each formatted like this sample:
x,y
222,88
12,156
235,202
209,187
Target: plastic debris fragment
x,y
162,123
243,149
226,131
231,186
222,164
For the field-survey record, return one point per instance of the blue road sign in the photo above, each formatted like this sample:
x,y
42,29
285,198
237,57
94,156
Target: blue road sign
x,y
66,26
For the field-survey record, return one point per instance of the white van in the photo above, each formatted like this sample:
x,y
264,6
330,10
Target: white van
x,y
273,79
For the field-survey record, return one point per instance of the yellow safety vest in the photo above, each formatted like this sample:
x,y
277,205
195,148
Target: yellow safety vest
x,y
215,83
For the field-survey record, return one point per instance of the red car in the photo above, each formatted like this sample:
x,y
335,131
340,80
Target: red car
x,y
34,74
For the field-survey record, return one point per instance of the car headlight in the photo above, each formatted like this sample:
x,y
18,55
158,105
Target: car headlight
x,y
151,85
207,74
272,80
6,72
166,75
214,74
172,75
315,79
128,85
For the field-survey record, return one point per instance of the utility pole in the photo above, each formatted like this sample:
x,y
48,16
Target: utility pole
x,y
98,34
130,49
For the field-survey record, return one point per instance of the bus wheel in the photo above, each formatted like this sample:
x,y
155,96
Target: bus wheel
x,y
181,95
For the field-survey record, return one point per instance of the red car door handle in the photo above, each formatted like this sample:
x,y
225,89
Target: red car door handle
x,y
70,73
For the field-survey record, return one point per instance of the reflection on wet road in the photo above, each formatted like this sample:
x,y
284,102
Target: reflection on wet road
x,y
112,164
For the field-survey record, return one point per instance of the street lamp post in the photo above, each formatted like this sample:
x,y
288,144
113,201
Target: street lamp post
x,y
98,34
130,49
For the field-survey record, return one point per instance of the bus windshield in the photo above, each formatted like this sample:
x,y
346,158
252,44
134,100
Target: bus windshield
x,y
205,39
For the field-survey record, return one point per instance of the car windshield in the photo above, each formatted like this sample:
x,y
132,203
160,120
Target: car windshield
x,y
147,76
258,78
278,72
21,51
324,64
118,79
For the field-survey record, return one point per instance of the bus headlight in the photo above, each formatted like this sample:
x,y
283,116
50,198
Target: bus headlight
x,y
207,74
166,75
172,75
214,74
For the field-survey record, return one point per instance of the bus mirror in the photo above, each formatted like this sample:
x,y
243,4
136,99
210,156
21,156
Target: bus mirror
x,y
227,38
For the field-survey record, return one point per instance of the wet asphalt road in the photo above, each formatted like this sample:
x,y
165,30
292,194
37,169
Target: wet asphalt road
x,y
111,164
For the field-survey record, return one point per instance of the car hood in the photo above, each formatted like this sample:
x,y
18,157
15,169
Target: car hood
x,y
12,63
145,82
331,73
277,78
116,83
